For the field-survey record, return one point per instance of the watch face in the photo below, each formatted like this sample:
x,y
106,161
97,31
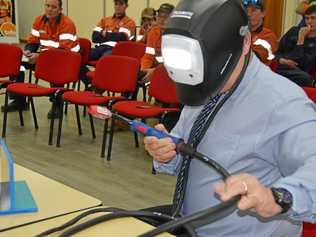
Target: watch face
x,y
283,198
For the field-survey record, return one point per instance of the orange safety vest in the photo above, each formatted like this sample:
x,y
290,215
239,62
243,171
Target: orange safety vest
x,y
264,44
113,24
152,55
56,35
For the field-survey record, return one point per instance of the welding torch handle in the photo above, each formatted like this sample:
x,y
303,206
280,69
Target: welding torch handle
x,y
143,128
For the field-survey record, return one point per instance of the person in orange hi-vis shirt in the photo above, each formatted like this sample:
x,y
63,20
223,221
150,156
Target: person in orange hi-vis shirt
x,y
264,40
51,30
152,56
5,11
148,18
112,29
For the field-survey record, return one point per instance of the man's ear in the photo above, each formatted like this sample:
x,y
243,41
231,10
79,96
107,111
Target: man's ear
x,y
247,44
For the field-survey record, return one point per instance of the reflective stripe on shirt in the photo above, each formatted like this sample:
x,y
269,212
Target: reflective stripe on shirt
x,y
35,33
125,30
265,44
98,29
150,50
49,43
76,48
68,36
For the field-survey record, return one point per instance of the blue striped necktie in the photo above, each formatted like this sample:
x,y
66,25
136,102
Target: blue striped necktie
x,y
195,136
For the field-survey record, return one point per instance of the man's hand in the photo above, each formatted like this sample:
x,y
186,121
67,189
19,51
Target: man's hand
x,y
103,33
254,196
302,34
288,62
33,58
162,150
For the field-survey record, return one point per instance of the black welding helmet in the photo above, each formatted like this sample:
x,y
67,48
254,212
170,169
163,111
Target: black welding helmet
x,y
201,46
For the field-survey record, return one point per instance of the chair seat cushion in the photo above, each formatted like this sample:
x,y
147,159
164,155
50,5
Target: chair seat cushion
x,y
29,89
88,98
139,109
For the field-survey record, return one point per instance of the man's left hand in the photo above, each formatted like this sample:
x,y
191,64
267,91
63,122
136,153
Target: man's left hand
x,y
254,196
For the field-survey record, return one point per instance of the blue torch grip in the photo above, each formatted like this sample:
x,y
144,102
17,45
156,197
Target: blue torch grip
x,y
150,131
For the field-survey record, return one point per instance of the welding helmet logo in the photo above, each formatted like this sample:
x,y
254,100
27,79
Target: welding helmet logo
x,y
202,45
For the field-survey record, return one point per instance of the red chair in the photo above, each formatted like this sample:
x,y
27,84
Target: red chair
x,y
311,93
55,66
162,89
309,230
10,62
116,74
129,48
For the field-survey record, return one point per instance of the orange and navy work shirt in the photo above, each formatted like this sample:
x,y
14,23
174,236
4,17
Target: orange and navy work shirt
x,y
264,44
117,29
60,34
152,56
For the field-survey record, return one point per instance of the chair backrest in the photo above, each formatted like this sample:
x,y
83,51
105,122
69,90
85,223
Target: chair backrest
x,y
58,66
85,48
129,48
116,73
162,87
311,93
10,60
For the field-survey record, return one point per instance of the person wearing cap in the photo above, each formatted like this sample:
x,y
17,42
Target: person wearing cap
x,y
112,29
148,17
297,50
255,123
152,55
50,30
264,41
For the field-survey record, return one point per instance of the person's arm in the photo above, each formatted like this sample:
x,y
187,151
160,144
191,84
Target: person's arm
x,y
265,47
148,59
68,37
289,138
289,48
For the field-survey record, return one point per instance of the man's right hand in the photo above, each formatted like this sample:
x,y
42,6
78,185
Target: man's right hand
x,y
304,31
288,62
162,150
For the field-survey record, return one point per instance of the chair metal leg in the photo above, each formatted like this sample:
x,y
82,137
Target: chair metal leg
x,y
52,121
78,119
21,117
60,124
111,139
136,139
92,126
105,134
5,115
33,112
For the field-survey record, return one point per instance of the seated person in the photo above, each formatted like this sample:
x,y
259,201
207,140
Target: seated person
x,y
297,50
5,11
148,18
112,29
152,56
264,41
51,30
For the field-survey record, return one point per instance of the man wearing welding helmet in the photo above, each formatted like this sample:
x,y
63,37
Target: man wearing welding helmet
x,y
264,41
257,124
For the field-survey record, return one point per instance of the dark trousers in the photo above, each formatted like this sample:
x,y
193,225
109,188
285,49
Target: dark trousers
x,y
100,51
296,75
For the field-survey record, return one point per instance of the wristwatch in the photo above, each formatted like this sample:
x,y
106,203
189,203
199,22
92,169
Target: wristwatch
x,y
283,198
